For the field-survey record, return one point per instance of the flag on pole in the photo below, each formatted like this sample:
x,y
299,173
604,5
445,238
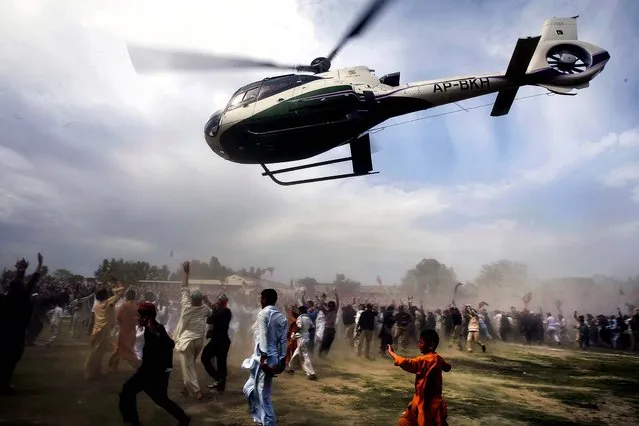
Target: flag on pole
x,y
379,280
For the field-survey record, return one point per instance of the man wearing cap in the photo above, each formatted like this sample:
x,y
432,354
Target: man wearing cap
x,y
218,346
153,375
189,334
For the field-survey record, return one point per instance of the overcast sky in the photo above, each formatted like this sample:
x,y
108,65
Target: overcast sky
x,y
96,161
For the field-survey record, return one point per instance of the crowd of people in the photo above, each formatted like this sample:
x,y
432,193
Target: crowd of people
x,y
146,326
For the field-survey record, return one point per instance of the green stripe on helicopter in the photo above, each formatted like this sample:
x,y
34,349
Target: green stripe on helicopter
x,y
284,107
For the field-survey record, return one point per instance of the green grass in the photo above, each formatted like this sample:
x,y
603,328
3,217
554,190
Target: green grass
x,y
506,386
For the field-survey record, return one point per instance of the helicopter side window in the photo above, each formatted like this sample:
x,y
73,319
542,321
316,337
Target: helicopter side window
x,y
236,100
251,95
277,85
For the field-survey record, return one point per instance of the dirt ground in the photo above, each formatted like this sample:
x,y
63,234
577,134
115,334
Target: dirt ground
x,y
508,385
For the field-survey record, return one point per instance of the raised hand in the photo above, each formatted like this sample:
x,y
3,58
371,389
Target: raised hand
x,y
391,352
186,266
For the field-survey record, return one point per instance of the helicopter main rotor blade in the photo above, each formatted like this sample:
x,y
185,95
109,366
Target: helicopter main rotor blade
x,y
360,25
146,59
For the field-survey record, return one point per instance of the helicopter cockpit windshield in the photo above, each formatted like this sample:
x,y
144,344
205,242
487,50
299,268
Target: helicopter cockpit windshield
x,y
244,96
266,88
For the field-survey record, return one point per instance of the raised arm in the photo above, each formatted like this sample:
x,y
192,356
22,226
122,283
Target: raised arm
x,y
35,277
119,292
186,266
336,301
412,365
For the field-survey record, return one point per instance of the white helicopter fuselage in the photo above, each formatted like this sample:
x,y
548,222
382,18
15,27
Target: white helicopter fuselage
x,y
298,116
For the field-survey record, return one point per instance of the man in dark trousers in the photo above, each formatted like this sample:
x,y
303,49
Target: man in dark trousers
x,y
220,343
153,375
15,314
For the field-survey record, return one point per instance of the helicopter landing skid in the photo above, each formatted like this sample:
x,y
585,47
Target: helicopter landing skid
x,y
360,158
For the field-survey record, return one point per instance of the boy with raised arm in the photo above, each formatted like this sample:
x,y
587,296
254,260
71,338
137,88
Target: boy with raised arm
x,y
427,408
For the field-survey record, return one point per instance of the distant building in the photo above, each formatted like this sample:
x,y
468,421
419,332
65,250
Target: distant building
x,y
205,286
365,292
232,284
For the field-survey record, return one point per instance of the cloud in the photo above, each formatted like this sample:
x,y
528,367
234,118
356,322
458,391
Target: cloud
x,y
622,175
97,161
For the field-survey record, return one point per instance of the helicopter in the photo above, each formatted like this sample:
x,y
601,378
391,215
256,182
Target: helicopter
x,y
298,116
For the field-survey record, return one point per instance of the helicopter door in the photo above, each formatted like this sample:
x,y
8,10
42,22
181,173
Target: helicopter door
x,y
273,110
242,105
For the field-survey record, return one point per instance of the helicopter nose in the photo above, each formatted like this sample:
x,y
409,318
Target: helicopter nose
x,y
211,129
213,125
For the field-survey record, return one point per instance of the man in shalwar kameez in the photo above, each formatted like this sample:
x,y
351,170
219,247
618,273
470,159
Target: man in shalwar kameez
x,y
127,319
302,352
104,320
291,345
189,334
268,359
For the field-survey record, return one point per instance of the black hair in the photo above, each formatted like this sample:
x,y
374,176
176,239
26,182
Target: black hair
x,y
130,294
269,295
302,310
149,313
431,338
102,295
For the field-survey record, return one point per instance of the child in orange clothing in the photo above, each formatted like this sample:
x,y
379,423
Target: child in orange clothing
x,y
427,407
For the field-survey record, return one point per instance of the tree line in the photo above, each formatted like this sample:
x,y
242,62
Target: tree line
x,y
428,278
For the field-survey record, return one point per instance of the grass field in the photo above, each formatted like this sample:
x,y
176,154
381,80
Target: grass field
x,y
508,385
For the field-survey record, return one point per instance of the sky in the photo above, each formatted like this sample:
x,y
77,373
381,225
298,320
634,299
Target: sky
x,y
97,161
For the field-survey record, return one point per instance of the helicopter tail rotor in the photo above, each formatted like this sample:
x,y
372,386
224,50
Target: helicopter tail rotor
x,y
556,60
563,61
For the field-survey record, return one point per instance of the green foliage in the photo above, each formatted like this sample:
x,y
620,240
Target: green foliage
x,y
429,277
130,272
309,283
213,270
503,273
254,272
63,275
346,285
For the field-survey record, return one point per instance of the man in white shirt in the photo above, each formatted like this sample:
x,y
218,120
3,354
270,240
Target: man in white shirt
x,y
189,334
551,327
55,317
304,328
268,359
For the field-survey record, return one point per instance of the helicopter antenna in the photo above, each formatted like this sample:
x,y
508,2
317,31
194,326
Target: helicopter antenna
x,y
379,129
460,106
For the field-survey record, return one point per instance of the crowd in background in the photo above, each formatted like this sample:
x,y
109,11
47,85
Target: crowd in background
x,y
612,330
